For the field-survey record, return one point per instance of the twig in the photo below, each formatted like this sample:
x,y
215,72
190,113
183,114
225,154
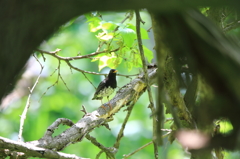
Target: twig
x,y
128,16
47,90
64,83
110,151
88,80
132,153
58,68
51,128
84,110
149,29
144,63
80,70
54,71
54,54
120,134
99,154
100,45
231,26
44,59
114,31
56,82
68,59
23,116
59,75
95,73
168,119
163,136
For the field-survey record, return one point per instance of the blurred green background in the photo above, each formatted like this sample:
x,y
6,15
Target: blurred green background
x,y
57,102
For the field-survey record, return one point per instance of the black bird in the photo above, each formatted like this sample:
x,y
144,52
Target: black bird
x,y
107,86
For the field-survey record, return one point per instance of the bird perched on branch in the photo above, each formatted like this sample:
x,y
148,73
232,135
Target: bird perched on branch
x,y
107,86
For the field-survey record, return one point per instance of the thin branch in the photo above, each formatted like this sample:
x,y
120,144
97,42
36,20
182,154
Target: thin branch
x,y
54,54
100,45
149,29
51,128
128,16
95,73
58,68
31,150
84,110
24,114
56,82
116,29
132,153
59,75
47,90
231,26
68,59
99,154
142,147
88,80
44,59
54,72
110,151
120,134
144,63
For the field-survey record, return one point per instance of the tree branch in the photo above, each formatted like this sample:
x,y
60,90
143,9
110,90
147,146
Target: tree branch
x,y
144,64
68,59
132,153
126,95
120,134
231,26
30,150
110,151
24,113
51,128
54,54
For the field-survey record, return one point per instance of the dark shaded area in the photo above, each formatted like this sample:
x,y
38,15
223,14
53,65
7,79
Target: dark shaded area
x,y
24,25
192,36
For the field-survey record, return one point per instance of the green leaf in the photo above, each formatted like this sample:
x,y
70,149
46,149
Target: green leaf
x,y
129,65
204,10
103,62
107,61
109,26
135,57
138,61
94,59
111,62
105,37
148,54
144,33
88,16
94,24
128,36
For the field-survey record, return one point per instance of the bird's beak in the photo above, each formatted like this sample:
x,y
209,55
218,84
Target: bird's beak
x,y
115,71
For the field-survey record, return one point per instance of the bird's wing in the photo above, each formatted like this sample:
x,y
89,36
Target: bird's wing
x,y
100,86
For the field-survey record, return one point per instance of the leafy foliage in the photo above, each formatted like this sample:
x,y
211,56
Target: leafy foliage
x,y
118,35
